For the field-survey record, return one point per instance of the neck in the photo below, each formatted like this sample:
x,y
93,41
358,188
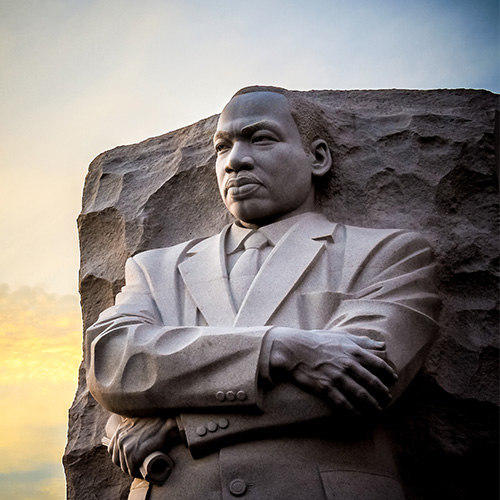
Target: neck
x,y
266,222
308,206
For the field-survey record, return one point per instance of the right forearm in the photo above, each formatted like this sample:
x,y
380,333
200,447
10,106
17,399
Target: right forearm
x,y
146,370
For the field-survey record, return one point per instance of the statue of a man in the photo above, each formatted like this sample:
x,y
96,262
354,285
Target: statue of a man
x,y
262,359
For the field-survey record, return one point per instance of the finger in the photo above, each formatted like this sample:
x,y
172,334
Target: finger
x,y
341,401
377,365
372,384
124,464
122,456
381,353
359,383
358,396
116,456
131,462
339,388
114,451
367,342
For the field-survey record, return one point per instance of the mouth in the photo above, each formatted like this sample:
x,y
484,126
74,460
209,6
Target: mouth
x,y
242,187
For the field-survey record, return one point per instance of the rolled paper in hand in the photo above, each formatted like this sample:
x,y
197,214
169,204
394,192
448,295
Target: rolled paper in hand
x,y
156,467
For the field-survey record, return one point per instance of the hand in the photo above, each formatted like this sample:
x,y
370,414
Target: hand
x,y
136,438
349,370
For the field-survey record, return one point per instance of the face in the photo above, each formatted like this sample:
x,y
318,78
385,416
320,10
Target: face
x,y
263,172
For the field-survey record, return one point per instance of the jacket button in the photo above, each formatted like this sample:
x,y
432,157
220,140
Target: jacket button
x,y
241,395
237,487
212,426
201,430
220,396
223,423
230,395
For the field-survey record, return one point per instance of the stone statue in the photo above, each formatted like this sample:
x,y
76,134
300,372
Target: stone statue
x,y
260,360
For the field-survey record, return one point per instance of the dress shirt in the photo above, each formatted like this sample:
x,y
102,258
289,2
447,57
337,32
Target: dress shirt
x,y
234,247
237,234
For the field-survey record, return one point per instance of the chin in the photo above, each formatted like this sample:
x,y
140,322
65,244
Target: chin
x,y
245,213
253,213
246,219
257,220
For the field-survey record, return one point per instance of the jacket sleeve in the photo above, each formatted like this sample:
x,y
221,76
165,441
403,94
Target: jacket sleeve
x,y
387,293
392,296
137,366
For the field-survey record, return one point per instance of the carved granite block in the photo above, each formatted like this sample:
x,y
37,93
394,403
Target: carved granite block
x,y
423,160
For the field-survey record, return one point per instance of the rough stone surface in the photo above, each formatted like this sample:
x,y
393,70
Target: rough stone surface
x,y
422,160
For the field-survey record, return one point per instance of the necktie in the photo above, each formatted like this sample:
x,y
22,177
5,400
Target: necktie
x,y
247,266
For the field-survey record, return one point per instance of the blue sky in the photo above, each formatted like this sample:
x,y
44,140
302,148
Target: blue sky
x,y
78,77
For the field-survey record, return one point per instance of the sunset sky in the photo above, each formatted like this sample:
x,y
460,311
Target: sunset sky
x,y
78,77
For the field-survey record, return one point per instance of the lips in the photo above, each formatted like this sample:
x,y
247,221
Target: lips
x,y
241,187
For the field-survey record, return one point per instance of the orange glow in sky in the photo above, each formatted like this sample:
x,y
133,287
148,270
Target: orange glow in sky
x,y
79,77
40,346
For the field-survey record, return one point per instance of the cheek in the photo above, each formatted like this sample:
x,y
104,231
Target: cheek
x,y
293,172
219,174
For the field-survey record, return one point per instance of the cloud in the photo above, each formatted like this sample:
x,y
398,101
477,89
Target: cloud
x,y
40,341
80,77
46,483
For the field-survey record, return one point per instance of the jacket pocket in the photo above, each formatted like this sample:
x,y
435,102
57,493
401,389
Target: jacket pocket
x,y
355,485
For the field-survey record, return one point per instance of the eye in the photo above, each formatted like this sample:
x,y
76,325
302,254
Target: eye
x,y
264,137
221,147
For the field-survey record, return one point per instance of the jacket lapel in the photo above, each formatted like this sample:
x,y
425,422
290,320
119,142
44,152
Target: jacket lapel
x,y
290,260
205,276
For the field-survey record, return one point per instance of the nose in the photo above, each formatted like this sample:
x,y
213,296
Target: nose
x,y
239,159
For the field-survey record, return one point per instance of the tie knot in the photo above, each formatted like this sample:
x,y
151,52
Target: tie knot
x,y
256,240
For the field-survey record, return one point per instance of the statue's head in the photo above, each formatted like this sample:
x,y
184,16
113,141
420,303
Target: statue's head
x,y
271,149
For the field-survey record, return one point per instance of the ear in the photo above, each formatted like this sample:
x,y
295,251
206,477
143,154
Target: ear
x,y
321,158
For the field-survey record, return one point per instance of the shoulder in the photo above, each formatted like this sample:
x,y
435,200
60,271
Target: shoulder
x,y
175,253
373,236
367,248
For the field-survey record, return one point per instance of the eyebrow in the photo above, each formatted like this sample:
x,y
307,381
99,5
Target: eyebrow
x,y
248,129
221,134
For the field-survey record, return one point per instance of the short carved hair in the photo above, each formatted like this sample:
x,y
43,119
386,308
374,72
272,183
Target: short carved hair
x,y
307,115
311,124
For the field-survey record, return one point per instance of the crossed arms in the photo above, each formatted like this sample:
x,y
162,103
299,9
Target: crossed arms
x,y
160,376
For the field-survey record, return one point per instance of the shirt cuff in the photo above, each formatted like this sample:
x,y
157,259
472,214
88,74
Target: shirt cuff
x,y
182,431
265,360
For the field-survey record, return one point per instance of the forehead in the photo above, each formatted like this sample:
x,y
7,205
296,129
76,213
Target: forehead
x,y
255,107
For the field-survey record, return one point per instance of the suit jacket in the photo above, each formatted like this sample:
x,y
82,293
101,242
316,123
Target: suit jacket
x,y
174,345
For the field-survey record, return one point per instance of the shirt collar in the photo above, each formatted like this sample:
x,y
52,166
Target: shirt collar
x,y
237,234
